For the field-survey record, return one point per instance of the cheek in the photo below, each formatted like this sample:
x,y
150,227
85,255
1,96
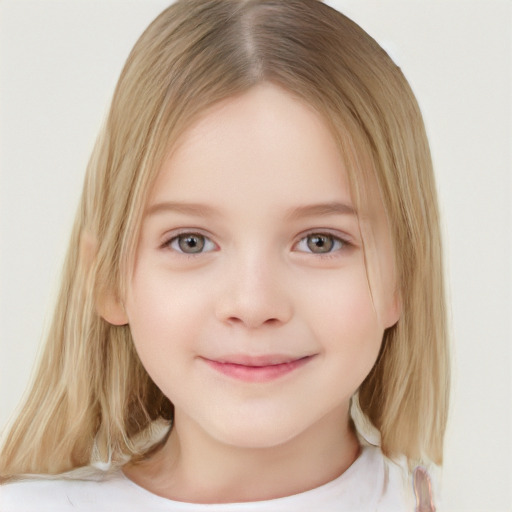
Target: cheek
x,y
163,314
342,315
343,299
164,320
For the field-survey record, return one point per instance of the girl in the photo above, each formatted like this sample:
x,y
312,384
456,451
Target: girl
x,y
252,312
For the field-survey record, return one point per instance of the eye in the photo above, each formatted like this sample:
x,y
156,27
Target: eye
x,y
190,243
321,243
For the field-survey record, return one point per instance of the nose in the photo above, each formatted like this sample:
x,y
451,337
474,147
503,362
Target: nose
x,y
254,294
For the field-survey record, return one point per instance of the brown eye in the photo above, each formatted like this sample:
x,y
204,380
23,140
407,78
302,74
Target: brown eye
x,y
319,243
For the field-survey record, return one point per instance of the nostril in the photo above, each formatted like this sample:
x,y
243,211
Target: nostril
x,y
252,322
251,308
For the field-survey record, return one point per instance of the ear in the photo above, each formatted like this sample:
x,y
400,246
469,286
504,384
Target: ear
x,y
393,309
108,305
111,309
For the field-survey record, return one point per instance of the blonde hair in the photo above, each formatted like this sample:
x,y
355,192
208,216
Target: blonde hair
x,y
91,398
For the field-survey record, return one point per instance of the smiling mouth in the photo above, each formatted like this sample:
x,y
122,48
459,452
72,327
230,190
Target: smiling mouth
x,y
257,369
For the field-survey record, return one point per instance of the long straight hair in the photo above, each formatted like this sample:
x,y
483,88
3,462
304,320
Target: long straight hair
x,y
91,399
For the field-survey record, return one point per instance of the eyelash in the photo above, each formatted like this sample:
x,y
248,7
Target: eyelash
x,y
339,244
168,244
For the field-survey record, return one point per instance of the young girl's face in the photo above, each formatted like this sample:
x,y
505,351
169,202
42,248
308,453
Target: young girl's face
x,y
249,304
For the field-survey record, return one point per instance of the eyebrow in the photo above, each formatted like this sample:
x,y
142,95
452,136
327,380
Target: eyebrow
x,y
202,210
197,209
321,209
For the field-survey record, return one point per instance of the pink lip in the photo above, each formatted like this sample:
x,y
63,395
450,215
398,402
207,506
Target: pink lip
x,y
257,368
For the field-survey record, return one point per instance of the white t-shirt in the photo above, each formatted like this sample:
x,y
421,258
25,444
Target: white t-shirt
x,y
371,483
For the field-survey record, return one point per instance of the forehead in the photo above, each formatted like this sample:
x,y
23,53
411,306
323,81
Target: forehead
x,y
261,141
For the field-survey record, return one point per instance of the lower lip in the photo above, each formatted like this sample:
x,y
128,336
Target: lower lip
x,y
257,373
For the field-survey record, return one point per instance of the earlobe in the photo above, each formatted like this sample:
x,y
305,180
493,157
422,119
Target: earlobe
x,y
111,309
394,309
108,305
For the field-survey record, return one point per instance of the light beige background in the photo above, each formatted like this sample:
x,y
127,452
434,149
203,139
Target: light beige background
x,y
59,61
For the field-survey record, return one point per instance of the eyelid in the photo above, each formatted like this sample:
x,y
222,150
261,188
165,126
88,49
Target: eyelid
x,y
346,240
173,235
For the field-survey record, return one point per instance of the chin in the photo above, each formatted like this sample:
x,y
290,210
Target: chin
x,y
253,433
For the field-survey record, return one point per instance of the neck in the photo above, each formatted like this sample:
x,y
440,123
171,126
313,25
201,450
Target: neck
x,y
193,467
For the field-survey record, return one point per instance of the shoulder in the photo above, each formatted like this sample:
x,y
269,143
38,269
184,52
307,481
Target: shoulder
x,y
397,492
403,490
397,489
67,494
386,481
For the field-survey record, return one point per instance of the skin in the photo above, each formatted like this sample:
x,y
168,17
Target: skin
x,y
245,177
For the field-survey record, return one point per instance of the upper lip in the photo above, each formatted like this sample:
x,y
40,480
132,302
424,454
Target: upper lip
x,y
259,360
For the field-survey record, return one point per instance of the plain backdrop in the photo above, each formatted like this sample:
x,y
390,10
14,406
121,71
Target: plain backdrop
x,y
59,61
